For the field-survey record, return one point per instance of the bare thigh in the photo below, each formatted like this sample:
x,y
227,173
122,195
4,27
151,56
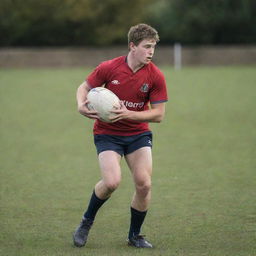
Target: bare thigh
x,y
140,164
109,162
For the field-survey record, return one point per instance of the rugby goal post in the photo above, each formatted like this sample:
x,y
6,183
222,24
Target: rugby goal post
x,y
177,56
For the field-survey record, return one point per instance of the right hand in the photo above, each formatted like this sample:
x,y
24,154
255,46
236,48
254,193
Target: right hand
x,y
85,111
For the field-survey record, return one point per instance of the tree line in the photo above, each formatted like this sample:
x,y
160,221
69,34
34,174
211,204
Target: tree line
x,y
106,22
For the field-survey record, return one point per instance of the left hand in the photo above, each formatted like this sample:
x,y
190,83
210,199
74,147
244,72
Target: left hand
x,y
121,113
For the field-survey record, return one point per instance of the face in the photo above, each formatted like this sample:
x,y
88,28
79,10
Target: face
x,y
144,51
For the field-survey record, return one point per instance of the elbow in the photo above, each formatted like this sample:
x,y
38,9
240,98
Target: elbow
x,y
159,114
159,118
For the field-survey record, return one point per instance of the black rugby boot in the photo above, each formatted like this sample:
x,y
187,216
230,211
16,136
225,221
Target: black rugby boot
x,y
139,241
81,233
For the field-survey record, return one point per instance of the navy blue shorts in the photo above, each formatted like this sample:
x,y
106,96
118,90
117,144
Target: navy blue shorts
x,y
123,145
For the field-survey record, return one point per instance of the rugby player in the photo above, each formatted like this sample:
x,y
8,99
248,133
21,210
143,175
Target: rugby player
x,y
141,87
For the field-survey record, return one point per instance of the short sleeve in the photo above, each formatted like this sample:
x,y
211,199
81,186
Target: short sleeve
x,y
158,92
99,76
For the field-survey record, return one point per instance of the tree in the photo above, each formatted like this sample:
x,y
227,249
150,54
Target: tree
x,y
68,22
205,21
105,22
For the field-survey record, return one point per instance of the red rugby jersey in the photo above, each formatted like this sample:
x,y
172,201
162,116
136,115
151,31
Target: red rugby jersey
x,y
136,90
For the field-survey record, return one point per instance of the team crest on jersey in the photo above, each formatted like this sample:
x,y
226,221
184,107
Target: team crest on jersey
x,y
144,88
116,82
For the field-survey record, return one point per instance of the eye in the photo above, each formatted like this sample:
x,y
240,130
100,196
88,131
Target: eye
x,y
148,46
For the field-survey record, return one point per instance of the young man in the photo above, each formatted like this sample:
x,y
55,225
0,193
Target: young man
x,y
138,83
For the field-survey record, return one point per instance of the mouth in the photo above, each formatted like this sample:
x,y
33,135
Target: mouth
x,y
149,58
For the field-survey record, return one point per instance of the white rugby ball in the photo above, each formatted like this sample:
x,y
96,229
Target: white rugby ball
x,y
103,101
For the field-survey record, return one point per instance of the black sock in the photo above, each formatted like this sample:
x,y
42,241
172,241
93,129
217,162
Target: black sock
x,y
137,219
93,207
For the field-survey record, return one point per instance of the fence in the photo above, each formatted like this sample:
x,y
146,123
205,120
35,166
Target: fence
x,y
87,57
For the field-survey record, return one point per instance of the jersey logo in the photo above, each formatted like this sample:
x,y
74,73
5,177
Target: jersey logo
x,y
144,88
116,82
133,104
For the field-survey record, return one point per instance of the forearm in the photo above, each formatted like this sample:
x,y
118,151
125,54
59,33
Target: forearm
x,y
81,94
81,97
155,114
151,115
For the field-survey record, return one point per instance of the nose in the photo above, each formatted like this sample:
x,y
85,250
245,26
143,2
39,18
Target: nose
x,y
151,51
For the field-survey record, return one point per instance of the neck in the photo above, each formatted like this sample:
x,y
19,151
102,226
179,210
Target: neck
x,y
132,63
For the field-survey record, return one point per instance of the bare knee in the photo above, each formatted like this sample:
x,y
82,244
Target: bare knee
x,y
112,185
143,188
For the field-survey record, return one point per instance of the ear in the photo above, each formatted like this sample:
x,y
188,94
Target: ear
x,y
132,46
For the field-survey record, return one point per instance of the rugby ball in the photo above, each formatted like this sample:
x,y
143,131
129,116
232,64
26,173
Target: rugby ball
x,y
103,101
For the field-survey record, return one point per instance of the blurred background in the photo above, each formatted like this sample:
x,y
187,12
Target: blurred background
x,y
84,32
204,182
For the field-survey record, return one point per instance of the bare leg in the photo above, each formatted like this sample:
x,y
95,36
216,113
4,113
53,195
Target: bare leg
x,y
140,164
109,162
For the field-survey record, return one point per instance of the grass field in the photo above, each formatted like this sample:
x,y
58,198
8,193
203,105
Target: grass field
x,y
204,181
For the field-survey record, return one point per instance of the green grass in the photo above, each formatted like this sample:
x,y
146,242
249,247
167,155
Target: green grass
x,y
204,181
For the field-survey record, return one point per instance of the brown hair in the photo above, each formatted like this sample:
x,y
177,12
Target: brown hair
x,y
140,32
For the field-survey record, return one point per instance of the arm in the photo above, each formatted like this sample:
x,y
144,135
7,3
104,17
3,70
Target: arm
x,y
155,114
81,97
